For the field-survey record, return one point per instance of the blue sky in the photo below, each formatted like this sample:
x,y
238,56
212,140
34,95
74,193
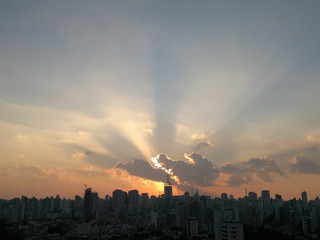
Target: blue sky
x,y
86,85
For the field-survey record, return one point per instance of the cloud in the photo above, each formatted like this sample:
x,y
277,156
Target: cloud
x,y
194,169
313,149
312,139
22,137
303,164
20,155
34,173
82,154
198,137
201,141
261,168
204,144
235,180
230,169
79,155
142,168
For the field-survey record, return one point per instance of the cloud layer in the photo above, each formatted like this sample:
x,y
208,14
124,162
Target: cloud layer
x,y
303,164
261,168
194,169
142,168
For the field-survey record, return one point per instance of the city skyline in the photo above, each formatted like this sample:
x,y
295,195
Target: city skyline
x,y
220,96
170,190
185,216
168,193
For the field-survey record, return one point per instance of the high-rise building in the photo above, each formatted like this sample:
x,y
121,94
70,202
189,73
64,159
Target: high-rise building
x,y
133,197
168,188
119,198
133,201
186,197
145,196
88,204
304,197
249,215
144,200
119,202
167,191
278,196
265,194
252,196
192,226
57,203
224,196
307,225
182,213
227,225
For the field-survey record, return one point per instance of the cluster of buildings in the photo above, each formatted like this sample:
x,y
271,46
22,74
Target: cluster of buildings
x,y
192,216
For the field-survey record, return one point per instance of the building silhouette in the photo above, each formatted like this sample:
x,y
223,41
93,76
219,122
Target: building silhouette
x,y
190,215
88,204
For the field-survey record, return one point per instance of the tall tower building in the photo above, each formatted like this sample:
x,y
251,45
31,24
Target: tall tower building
x,y
57,203
167,191
133,202
168,188
133,197
119,199
182,214
88,204
265,194
304,197
119,202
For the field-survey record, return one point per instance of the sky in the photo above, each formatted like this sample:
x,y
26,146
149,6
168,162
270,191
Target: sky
x,y
220,95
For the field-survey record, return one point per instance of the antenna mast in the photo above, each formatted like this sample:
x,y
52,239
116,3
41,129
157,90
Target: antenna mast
x,y
168,177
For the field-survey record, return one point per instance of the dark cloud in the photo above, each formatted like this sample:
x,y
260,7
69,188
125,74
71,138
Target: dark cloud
x,y
313,149
197,170
204,144
303,164
230,169
193,170
264,169
201,141
87,153
235,180
142,168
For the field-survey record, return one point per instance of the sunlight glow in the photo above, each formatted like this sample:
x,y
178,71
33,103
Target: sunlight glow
x,y
169,171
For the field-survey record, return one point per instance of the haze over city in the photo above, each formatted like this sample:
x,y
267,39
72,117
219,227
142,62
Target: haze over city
x,y
220,95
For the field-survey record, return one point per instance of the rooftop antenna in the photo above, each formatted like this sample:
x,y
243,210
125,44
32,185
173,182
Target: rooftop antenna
x,y
85,186
246,191
168,177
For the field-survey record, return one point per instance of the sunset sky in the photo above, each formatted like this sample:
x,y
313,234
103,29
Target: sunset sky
x,y
108,93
